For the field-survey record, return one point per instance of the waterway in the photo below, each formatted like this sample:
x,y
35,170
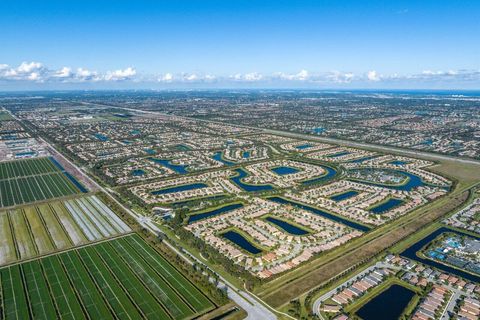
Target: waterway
x,y
184,187
360,160
68,175
411,253
386,206
344,195
413,181
138,172
339,154
398,163
241,241
388,305
178,168
288,227
101,137
304,146
328,176
248,187
322,213
218,156
284,170
182,147
207,214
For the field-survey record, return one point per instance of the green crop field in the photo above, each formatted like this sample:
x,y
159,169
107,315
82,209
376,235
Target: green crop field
x,y
25,181
36,230
123,278
5,116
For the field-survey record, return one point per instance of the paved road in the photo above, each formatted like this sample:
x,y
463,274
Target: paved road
x,y
326,296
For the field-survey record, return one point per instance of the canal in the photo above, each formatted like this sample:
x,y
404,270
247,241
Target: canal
x,y
411,253
322,213
241,241
288,227
207,214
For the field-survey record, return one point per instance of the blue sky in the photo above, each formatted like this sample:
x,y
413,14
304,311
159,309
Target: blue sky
x,y
240,43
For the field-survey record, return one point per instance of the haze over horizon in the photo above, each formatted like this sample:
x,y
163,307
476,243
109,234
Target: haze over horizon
x,y
53,45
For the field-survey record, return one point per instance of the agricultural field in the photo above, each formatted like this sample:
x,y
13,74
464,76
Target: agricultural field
x,y
123,278
25,181
5,116
38,230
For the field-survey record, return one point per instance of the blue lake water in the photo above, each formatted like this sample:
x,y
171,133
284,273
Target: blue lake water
x,y
138,172
68,175
322,213
388,305
318,130
178,168
360,160
344,195
101,137
184,187
339,154
428,142
195,217
414,181
288,227
411,253
75,182
328,176
248,187
241,241
304,146
398,162
182,147
218,156
284,170
26,153
386,206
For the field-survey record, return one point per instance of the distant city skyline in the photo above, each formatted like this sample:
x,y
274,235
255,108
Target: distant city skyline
x,y
239,44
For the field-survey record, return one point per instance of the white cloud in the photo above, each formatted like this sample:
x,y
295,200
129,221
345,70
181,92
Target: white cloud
x,y
28,67
119,75
190,77
248,77
39,73
167,77
373,76
65,72
303,75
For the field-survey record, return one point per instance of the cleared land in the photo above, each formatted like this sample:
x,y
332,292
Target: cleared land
x,y
37,230
25,181
123,278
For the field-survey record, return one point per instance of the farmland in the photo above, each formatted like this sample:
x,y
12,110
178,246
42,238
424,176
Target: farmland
x,y
122,278
25,181
5,116
37,230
